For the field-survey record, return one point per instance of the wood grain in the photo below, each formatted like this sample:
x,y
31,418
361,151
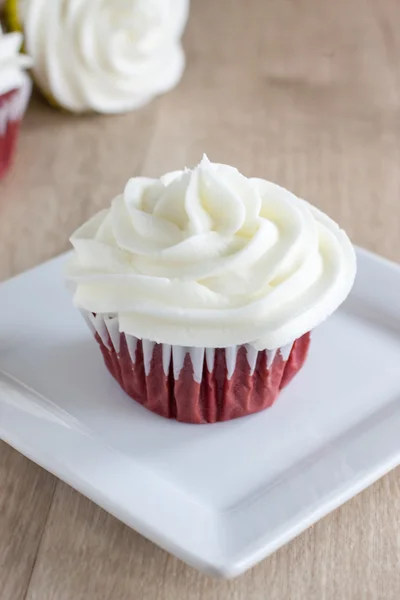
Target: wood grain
x,y
26,493
305,92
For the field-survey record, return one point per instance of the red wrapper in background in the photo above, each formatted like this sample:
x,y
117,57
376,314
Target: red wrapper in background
x,y
196,385
12,109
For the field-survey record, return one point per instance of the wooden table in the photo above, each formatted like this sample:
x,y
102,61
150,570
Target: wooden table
x,y
304,92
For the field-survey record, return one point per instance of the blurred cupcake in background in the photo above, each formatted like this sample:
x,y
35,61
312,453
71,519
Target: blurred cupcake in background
x,y
108,56
15,89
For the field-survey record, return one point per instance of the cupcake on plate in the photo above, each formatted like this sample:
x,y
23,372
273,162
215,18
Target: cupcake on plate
x,y
15,89
201,288
108,57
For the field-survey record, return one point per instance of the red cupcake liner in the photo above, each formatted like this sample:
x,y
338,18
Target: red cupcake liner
x,y
12,108
196,385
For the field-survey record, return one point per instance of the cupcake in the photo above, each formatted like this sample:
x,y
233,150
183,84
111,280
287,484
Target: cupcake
x,y
109,57
202,287
15,89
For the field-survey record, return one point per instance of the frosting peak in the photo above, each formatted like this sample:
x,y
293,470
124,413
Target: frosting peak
x,y
208,257
12,63
108,56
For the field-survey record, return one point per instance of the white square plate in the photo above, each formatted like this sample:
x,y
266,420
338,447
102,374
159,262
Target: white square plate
x,y
221,497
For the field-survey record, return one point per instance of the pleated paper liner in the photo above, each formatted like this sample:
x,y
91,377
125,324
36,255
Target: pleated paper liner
x,y
196,385
12,109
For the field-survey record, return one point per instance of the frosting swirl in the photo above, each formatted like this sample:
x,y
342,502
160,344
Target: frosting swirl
x,y
108,56
208,257
12,63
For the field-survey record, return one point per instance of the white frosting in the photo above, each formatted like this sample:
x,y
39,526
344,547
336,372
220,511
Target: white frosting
x,y
207,257
12,63
109,56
